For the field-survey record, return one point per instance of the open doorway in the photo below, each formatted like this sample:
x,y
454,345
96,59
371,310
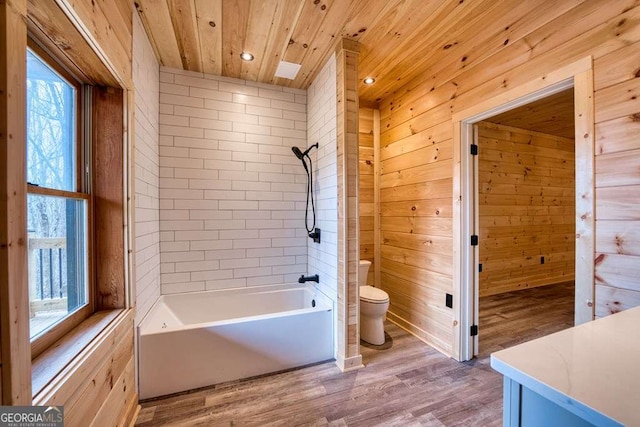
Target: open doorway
x,y
525,222
579,76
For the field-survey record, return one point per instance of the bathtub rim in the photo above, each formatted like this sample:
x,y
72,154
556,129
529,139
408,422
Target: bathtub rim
x,y
325,305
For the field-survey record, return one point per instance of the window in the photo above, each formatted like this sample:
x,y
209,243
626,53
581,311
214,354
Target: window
x,y
58,203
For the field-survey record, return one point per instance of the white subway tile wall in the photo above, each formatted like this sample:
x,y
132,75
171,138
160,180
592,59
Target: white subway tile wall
x,y
321,128
147,181
231,191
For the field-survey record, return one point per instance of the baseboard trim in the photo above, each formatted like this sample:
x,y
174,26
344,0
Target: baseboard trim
x,y
419,333
350,363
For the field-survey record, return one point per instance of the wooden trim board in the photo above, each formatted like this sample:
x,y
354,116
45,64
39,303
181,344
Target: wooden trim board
x,y
585,197
376,197
464,266
347,110
14,296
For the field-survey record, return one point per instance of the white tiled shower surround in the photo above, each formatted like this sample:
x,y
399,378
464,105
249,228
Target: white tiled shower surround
x,y
232,194
321,128
147,198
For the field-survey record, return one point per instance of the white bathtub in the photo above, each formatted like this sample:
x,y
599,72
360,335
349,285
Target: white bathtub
x,y
199,339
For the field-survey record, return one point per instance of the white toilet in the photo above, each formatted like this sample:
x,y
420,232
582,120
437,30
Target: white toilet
x,y
374,304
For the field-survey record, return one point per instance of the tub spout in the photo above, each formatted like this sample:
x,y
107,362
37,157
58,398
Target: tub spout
x,y
314,278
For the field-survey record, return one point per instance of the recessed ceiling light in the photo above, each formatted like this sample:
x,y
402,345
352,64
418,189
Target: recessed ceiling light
x,y
369,81
246,56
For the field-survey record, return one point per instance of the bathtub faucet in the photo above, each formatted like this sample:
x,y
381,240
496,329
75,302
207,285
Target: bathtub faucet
x,y
314,278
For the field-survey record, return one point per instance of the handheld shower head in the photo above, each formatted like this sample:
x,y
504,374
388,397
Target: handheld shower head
x,y
297,152
300,155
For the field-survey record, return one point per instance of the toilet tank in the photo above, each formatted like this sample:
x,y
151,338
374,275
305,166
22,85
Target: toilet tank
x,y
363,271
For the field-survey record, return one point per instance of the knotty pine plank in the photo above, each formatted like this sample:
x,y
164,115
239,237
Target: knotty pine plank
x,y
82,408
209,26
616,237
421,122
117,34
435,189
416,274
430,154
617,101
436,262
183,16
618,270
285,21
530,179
434,135
313,45
49,22
617,135
115,407
159,27
430,244
429,172
235,16
449,21
618,203
393,20
611,300
438,208
506,220
417,225
526,137
14,296
531,145
618,169
595,42
312,17
616,67
499,57
110,30
260,25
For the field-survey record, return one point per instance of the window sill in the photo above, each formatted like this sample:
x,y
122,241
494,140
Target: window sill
x,y
63,357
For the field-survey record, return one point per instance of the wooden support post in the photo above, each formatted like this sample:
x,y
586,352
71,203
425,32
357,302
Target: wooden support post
x,y
377,257
349,356
14,293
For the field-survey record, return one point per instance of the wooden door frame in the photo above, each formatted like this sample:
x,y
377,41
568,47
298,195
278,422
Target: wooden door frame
x,y
578,75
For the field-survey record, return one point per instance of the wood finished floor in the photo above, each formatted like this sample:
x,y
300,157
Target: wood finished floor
x,y
404,383
515,317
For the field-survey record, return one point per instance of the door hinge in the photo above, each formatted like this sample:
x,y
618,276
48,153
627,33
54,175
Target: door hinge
x,y
479,268
474,240
474,150
474,330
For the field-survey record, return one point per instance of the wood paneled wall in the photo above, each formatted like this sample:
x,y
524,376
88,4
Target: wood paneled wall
x,y
14,298
99,388
526,192
366,189
347,111
416,124
416,260
617,164
95,381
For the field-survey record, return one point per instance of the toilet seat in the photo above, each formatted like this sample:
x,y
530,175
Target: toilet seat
x,y
373,295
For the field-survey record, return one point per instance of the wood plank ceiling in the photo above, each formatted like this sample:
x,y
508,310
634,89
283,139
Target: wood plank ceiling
x,y
553,115
402,40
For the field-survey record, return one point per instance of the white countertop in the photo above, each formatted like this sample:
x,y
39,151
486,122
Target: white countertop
x,y
596,364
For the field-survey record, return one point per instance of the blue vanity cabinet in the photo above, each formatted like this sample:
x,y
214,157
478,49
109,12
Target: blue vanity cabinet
x,y
583,376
